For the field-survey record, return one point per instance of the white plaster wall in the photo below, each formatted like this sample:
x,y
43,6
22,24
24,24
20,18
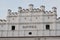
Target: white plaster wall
x,y
3,27
42,38
52,26
40,33
37,18
56,38
34,33
15,33
58,29
0,33
32,19
9,27
10,33
4,33
38,27
21,33
40,30
52,33
35,38
13,19
58,26
58,33
46,33
25,14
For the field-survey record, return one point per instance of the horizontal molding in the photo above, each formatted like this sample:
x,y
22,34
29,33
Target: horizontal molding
x,y
31,37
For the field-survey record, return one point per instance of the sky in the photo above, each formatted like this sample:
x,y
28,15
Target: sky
x,y
14,4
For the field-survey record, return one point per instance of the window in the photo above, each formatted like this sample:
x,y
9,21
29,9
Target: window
x,y
13,27
30,33
47,27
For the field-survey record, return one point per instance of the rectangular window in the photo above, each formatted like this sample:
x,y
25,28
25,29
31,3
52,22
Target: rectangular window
x,y
13,27
47,27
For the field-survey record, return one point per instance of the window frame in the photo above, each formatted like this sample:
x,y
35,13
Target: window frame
x,y
47,27
12,27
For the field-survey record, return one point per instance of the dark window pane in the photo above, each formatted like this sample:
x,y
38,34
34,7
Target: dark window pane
x,y
13,27
47,27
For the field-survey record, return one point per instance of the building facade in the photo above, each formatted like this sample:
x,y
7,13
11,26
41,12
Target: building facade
x,y
30,24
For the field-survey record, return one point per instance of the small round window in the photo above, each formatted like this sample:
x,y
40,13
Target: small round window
x,y
30,33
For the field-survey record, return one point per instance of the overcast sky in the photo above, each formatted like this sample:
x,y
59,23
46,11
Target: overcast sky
x,y
14,4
